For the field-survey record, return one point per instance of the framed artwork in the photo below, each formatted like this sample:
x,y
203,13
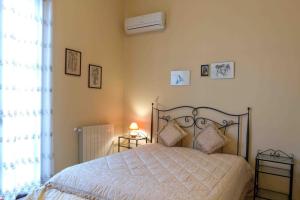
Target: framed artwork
x,y
204,70
222,70
72,62
180,78
95,76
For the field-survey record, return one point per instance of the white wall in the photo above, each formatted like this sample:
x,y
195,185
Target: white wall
x,y
94,28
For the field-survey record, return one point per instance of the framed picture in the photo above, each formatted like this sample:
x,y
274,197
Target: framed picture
x,y
180,78
223,70
95,76
72,62
204,70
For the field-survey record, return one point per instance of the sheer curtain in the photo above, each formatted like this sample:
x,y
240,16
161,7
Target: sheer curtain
x,y
25,95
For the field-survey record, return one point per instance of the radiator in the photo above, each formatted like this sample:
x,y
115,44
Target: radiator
x,y
95,141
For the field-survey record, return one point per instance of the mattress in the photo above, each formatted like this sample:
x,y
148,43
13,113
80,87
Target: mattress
x,y
152,172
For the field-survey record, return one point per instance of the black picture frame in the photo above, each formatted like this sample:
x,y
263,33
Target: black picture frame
x,y
95,76
205,70
72,62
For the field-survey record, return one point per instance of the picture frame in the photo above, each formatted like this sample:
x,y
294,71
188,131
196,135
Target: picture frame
x,y
180,78
222,70
95,76
205,70
72,62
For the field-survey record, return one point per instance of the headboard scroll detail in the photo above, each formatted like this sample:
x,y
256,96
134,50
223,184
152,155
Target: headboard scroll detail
x,y
192,117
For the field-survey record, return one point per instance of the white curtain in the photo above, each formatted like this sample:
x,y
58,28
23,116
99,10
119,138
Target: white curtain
x,y
25,95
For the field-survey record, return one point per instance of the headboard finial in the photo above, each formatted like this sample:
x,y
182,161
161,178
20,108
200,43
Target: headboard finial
x,y
248,134
151,136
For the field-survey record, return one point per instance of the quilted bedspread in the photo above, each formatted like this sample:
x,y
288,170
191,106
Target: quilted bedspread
x,y
152,172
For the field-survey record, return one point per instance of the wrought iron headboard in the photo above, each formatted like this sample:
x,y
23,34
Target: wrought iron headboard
x,y
194,120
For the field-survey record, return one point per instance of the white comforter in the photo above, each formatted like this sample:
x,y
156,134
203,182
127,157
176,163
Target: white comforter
x,y
152,172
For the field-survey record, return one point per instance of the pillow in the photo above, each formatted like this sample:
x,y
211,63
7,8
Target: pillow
x,y
210,139
171,133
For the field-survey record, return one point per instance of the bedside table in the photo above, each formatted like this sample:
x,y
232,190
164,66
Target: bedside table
x,y
130,138
275,163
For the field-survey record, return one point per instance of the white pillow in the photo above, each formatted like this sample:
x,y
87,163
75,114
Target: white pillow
x,y
210,139
171,133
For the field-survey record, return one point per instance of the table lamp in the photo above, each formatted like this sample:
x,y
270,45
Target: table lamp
x,y
133,129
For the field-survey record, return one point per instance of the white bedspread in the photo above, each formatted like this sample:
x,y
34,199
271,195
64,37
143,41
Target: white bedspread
x,y
152,172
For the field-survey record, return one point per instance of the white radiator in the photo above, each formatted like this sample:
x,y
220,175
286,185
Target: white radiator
x,y
95,141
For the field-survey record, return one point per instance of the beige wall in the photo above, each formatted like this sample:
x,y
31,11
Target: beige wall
x,y
262,37
93,27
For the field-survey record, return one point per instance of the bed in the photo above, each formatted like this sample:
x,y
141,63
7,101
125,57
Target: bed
x,y
154,171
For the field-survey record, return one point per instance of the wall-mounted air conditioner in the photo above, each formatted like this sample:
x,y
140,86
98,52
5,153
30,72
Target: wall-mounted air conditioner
x,y
145,23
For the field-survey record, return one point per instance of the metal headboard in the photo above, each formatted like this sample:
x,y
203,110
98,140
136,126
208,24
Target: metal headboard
x,y
193,119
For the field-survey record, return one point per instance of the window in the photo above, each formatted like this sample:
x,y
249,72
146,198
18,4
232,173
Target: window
x,y
25,95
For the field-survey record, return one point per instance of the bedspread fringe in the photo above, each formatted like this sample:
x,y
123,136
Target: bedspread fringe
x,y
70,190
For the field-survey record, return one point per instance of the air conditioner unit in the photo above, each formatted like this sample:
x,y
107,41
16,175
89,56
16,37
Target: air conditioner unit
x,y
145,23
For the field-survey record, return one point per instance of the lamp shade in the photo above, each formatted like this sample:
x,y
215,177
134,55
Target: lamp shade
x,y
133,126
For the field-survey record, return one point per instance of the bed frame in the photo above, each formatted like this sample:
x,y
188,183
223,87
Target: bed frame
x,y
190,117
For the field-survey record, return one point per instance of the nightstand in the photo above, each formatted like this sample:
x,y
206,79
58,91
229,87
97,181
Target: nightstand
x,y
129,138
274,163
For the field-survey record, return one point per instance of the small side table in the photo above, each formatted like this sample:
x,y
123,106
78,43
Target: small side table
x,y
129,138
275,163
